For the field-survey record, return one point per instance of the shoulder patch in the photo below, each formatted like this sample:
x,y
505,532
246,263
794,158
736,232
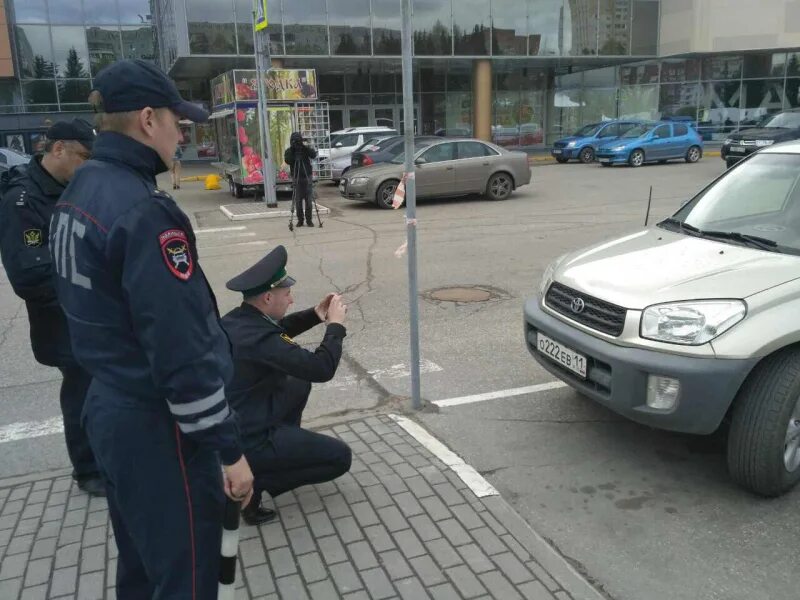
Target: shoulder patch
x,y
288,340
177,256
33,238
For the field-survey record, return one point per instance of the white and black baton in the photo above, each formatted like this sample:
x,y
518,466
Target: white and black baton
x,y
229,550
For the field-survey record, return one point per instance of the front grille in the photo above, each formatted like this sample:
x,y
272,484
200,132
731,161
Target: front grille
x,y
559,144
597,314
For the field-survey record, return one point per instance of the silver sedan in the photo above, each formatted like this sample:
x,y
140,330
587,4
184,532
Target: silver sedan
x,y
446,168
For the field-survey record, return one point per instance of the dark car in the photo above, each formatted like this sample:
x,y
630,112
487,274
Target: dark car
x,y
780,127
383,150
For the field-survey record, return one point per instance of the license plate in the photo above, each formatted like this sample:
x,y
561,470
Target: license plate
x,y
737,149
556,151
561,354
604,160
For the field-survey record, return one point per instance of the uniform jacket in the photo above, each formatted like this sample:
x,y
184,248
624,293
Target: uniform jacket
x,y
265,356
142,316
28,196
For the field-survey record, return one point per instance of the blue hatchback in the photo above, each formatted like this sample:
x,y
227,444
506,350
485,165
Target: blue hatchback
x,y
657,141
583,144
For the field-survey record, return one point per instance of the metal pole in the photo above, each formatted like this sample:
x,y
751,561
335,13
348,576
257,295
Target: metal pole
x,y
411,203
263,64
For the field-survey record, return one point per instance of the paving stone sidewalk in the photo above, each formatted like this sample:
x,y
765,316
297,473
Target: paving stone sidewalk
x,y
401,524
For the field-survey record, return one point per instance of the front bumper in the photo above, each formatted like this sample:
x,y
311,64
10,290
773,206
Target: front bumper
x,y
567,153
361,192
617,376
734,156
613,158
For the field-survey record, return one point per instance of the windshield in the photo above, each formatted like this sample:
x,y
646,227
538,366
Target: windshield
x,y
587,130
400,158
787,120
760,198
638,131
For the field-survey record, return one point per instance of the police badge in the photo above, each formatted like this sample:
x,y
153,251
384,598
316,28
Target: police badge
x,y
175,250
32,237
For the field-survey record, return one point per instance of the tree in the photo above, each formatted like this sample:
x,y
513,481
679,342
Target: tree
x,y
74,87
43,90
75,68
347,45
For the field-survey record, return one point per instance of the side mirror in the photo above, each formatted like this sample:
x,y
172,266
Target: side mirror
x,y
338,145
420,161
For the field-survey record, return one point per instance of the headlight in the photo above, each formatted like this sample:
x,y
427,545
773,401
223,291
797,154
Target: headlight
x,y
762,143
547,276
359,180
618,148
571,144
691,323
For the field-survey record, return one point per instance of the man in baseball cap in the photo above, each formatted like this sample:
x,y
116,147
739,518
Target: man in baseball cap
x,y
144,323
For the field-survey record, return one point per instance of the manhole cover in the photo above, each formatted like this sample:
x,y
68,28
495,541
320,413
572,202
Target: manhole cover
x,y
461,294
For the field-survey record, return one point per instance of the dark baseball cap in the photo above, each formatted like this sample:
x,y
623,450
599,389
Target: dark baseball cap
x,y
134,84
76,130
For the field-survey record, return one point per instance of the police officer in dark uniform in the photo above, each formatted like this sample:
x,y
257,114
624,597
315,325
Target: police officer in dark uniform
x,y
28,195
272,382
144,322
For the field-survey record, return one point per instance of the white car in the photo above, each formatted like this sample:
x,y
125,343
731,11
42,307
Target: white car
x,y
344,142
11,158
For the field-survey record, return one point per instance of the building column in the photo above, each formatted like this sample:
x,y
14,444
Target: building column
x,y
482,99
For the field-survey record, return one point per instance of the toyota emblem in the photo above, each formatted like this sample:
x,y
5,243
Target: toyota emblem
x,y
578,305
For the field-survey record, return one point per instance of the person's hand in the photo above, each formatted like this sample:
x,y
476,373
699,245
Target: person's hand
x,y
337,310
239,481
322,308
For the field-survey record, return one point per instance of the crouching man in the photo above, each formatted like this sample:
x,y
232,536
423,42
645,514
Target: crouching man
x,y
272,382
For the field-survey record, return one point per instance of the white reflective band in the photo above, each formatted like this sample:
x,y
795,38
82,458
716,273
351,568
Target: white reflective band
x,y
205,422
197,406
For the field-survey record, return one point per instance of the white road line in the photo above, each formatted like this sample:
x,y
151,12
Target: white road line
x,y
219,229
474,480
393,372
31,429
531,389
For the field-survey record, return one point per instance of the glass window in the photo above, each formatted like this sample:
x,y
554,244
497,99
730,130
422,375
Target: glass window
x,y
331,84
433,112
474,150
244,38
506,119
609,131
211,30
386,23
10,93
30,11
65,12
275,27
566,112
101,12
758,65
778,65
350,27
638,74
439,153
34,51
583,20
139,42
719,109
644,28
600,104
345,139
680,129
722,67
471,27
71,53
41,91
614,27
459,113
459,79
509,27
682,69
547,27
357,83
600,77
137,12
305,27
793,64
432,28
760,97
792,93
74,90
638,102
382,83
680,99
244,27
433,78
105,46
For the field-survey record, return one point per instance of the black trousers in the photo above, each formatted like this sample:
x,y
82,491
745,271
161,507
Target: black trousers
x,y
74,388
304,200
290,456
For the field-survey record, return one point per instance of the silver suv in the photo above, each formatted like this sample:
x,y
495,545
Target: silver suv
x,y
694,322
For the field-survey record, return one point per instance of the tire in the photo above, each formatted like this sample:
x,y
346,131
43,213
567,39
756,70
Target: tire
x,y
385,193
693,154
561,159
636,159
238,190
764,440
729,164
500,186
586,155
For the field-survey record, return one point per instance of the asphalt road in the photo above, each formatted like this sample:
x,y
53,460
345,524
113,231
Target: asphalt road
x,y
645,514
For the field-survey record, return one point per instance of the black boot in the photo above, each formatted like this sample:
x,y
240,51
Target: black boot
x,y
253,514
93,486
299,223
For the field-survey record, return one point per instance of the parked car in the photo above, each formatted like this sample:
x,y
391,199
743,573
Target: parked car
x,y
583,144
343,142
454,132
652,142
383,150
780,127
443,168
693,322
11,158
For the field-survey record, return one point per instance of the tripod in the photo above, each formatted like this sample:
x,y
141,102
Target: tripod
x,y
312,191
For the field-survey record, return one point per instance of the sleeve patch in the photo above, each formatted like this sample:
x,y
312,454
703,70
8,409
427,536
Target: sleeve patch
x,y
33,238
175,250
287,339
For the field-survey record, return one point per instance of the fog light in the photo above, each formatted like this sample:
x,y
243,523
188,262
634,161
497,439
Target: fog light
x,y
662,392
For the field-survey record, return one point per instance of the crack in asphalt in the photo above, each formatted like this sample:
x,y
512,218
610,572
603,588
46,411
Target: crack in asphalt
x,y
4,333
